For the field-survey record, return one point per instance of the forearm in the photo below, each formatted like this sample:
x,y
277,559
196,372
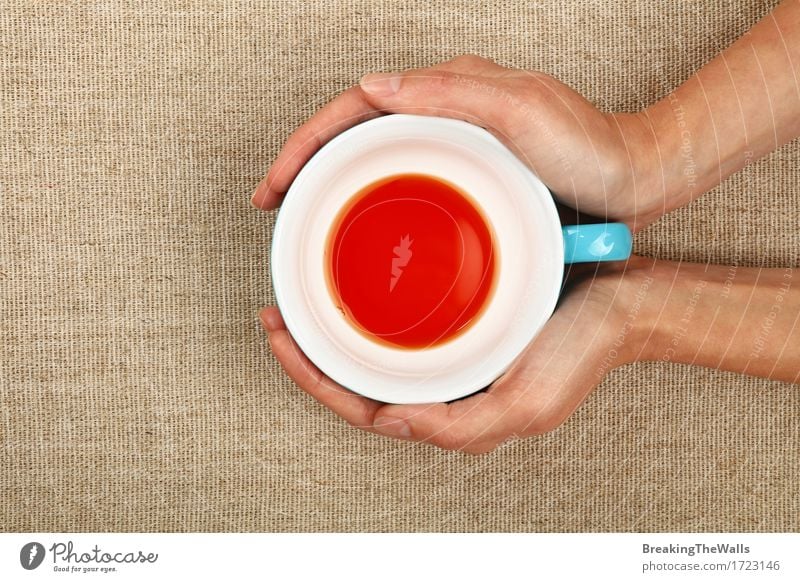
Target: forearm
x,y
738,107
732,318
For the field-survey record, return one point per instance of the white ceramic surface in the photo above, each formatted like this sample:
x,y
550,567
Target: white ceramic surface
x,y
530,257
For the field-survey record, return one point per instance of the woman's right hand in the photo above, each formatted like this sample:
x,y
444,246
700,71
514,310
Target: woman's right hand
x,y
588,159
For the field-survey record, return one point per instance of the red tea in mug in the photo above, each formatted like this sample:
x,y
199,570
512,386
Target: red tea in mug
x,y
411,261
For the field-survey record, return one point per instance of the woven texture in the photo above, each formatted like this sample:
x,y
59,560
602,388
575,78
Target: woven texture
x,y
136,389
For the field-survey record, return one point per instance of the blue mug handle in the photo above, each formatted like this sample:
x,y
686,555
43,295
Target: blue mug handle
x,y
590,243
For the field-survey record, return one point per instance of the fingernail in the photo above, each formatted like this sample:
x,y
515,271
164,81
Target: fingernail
x,y
381,84
255,193
393,427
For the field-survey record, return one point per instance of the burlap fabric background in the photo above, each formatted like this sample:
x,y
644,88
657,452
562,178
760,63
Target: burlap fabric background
x,y
136,389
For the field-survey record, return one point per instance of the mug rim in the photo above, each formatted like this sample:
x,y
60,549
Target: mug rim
x,y
343,369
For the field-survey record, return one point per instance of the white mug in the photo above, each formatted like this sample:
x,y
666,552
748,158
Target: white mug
x,y
531,250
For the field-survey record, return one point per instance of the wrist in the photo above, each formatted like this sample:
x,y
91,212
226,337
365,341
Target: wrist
x,y
648,304
623,293
680,309
647,181
659,311
683,153
637,312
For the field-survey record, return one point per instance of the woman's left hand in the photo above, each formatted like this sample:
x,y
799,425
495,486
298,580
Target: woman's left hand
x,y
553,376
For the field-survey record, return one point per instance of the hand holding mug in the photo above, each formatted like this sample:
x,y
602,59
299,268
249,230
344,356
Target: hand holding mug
x,y
626,167
554,375
586,158
352,108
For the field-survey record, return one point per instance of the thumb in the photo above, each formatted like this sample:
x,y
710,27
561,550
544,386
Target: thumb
x,y
438,93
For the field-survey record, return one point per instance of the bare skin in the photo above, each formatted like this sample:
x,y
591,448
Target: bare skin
x,y
627,167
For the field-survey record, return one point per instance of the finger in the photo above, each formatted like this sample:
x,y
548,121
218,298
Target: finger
x,y
472,425
308,377
540,390
552,378
345,111
472,65
271,319
355,409
440,92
